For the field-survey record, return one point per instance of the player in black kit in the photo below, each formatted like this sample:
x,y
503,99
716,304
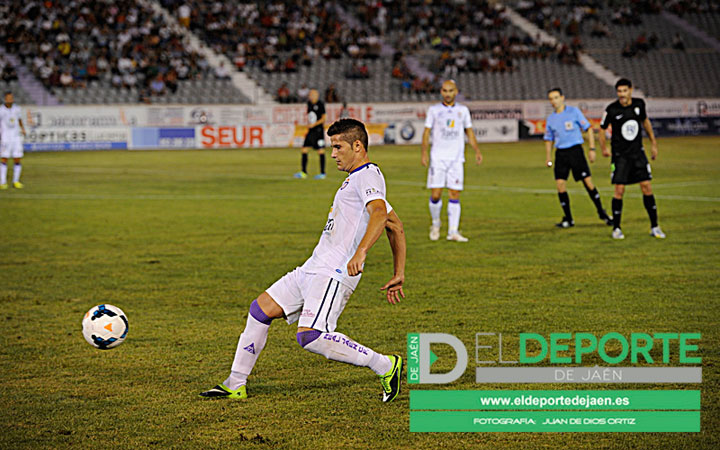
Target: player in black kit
x,y
629,162
315,137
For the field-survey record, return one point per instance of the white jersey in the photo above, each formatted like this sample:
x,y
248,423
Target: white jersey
x,y
346,224
9,123
448,125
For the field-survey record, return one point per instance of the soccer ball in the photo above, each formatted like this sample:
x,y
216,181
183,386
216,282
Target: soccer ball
x,y
105,326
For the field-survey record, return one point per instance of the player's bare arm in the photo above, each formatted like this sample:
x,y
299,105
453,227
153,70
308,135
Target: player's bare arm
x,y
603,143
651,135
591,142
320,121
424,159
376,224
548,153
22,128
474,145
396,236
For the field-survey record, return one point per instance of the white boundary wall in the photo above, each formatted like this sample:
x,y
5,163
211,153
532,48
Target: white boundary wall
x,y
245,126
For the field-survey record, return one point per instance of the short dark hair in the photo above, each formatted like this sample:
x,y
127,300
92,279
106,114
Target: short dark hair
x,y
7,93
351,130
623,82
555,89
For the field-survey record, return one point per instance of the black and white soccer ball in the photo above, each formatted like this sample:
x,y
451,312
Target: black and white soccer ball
x,y
105,326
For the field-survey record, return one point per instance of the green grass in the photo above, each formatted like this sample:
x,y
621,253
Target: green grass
x,y
183,241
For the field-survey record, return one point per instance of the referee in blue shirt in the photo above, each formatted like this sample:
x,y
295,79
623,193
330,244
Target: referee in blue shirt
x,y
564,127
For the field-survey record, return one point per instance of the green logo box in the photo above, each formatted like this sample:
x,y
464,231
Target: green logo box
x,y
554,421
555,400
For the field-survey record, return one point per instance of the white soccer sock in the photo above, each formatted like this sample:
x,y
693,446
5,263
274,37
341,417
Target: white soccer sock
x,y
250,344
453,216
435,209
338,347
3,173
17,170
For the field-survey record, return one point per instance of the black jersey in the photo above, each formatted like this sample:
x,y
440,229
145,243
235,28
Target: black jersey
x,y
315,112
626,124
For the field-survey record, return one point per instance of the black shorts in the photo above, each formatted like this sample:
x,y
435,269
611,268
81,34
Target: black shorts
x,y
571,158
315,138
630,169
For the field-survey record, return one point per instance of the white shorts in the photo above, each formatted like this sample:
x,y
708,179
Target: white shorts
x,y
317,300
11,149
446,174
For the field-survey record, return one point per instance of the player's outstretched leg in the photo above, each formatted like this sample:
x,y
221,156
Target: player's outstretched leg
x,y
595,197
251,343
338,347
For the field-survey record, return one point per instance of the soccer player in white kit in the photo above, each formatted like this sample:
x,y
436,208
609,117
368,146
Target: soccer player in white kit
x,y
316,292
10,141
449,122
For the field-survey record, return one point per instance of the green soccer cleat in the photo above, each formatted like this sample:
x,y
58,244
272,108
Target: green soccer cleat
x,y
3,186
221,391
391,380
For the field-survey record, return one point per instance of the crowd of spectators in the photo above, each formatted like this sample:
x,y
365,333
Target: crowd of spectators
x,y
575,18
7,71
285,95
275,36
70,44
682,7
641,45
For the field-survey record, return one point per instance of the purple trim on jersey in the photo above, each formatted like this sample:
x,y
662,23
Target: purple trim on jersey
x,y
454,200
306,337
434,201
361,167
258,313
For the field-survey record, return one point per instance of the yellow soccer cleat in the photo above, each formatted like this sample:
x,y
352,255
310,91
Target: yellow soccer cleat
x,y
18,185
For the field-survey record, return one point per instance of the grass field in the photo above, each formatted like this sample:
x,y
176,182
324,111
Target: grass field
x,y
184,241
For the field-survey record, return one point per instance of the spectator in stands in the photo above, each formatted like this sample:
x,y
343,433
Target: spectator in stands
x,y
184,13
641,43
331,94
283,93
600,30
171,81
653,40
129,80
157,86
66,79
678,43
221,72
302,93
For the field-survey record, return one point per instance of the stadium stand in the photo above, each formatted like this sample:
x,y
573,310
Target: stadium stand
x,y
640,40
88,51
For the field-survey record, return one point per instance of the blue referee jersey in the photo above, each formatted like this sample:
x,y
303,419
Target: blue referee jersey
x,y
566,127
